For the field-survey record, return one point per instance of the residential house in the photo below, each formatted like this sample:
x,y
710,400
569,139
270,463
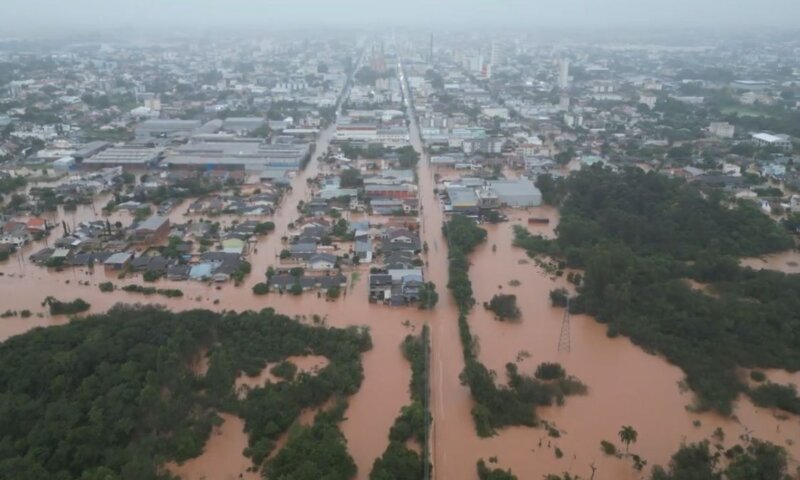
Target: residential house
x,y
152,230
322,261
118,261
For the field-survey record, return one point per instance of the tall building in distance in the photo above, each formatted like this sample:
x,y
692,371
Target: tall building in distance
x,y
497,55
563,73
430,52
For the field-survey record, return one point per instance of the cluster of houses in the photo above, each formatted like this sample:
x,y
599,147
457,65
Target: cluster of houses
x,y
166,251
397,277
262,203
311,260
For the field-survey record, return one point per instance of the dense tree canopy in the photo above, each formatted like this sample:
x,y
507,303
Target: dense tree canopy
x,y
114,396
639,236
758,461
399,462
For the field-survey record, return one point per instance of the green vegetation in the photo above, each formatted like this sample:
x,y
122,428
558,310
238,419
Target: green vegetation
x,y
260,288
399,462
757,461
428,297
151,276
773,395
628,435
553,190
486,473
495,407
142,213
9,184
166,292
285,370
114,395
318,451
263,228
243,269
638,236
351,178
58,307
607,447
106,287
550,371
407,156
757,376
504,307
333,292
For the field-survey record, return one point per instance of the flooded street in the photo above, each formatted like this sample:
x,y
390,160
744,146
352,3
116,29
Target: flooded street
x,y
787,262
371,411
626,385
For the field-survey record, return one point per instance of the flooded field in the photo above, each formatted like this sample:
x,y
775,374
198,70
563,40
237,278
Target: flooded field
x,y
371,411
222,458
788,262
310,364
626,385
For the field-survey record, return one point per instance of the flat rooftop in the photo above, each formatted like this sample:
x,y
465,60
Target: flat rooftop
x,y
126,156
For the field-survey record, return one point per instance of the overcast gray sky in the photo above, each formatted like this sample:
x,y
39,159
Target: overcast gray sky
x,y
67,15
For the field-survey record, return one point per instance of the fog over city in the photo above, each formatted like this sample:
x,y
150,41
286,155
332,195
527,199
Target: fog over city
x,y
20,16
400,240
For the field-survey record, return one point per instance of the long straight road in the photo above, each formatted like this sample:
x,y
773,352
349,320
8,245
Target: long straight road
x,y
450,402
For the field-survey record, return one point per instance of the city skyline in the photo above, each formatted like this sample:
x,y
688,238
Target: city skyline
x,y
31,17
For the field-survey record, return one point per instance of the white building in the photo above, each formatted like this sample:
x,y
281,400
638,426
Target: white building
x,y
721,129
649,100
563,74
516,193
781,142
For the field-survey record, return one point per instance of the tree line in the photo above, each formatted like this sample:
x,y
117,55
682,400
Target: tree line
x,y
115,396
639,237
495,407
399,462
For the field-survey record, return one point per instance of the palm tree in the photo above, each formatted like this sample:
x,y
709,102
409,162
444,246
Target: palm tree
x,y
628,435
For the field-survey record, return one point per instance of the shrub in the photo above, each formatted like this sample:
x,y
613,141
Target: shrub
x,y
333,292
559,297
285,370
773,395
151,276
58,307
607,447
550,371
106,287
757,376
504,307
170,292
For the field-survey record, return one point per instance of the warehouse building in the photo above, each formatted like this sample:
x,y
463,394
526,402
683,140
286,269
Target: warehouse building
x,y
134,157
516,193
156,128
243,125
240,155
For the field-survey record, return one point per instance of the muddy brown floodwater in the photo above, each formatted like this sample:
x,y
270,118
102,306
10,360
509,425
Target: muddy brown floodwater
x,y
626,385
371,410
310,364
